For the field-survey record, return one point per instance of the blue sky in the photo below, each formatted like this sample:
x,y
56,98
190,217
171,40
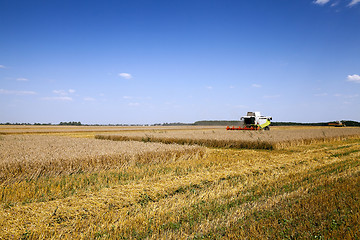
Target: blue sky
x,y
158,61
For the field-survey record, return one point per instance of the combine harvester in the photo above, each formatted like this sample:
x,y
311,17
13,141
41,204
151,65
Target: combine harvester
x,y
253,121
337,124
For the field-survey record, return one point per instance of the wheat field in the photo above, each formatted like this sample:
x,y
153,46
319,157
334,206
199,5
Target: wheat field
x,y
29,156
146,190
278,139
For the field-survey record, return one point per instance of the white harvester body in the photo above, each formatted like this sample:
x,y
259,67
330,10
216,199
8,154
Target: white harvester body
x,y
253,121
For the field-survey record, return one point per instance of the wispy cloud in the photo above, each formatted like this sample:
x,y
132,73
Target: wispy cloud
x,y
353,2
61,98
256,85
60,92
321,2
2,66
320,94
62,95
351,96
127,97
12,92
209,87
348,96
353,78
64,92
334,4
22,79
90,99
134,104
125,75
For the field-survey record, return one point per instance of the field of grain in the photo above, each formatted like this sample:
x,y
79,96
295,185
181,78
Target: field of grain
x,y
277,139
53,129
29,156
75,187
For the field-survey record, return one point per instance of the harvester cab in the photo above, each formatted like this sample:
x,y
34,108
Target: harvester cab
x,y
253,121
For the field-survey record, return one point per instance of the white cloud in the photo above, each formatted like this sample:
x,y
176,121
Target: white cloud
x,y
351,96
127,97
11,92
346,96
60,92
321,2
22,79
354,78
89,99
63,92
320,94
2,66
256,85
209,87
353,2
126,75
63,98
134,104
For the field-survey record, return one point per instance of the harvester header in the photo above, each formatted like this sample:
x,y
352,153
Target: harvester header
x,y
253,121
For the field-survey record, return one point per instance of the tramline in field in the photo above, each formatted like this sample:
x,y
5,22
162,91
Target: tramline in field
x,y
253,121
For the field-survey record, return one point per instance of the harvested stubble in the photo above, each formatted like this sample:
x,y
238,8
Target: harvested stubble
x,y
230,194
221,138
29,156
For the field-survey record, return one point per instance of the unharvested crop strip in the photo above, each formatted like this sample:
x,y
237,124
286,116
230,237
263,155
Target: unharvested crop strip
x,y
226,143
214,143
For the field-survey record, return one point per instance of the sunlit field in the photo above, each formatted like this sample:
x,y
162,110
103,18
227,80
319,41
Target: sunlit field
x,y
62,182
280,138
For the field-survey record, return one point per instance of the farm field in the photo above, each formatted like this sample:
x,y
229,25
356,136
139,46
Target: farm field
x,y
62,182
279,138
53,129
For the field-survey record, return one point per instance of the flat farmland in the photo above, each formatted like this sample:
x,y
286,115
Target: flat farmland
x,y
62,182
53,129
280,137
32,156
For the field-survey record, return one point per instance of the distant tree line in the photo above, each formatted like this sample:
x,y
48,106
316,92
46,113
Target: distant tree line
x,y
351,123
173,124
70,123
8,123
217,123
348,123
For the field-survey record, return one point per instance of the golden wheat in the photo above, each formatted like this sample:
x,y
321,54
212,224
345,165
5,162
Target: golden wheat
x,y
222,195
25,129
281,138
29,156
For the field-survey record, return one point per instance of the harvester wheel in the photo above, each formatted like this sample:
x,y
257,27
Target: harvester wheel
x,y
267,128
